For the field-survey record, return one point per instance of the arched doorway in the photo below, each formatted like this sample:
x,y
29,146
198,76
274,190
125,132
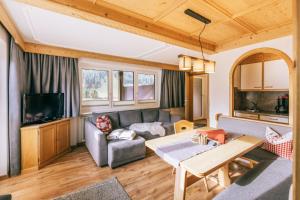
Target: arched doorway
x,y
271,52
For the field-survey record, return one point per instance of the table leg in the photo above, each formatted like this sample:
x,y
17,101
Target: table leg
x,y
180,183
223,176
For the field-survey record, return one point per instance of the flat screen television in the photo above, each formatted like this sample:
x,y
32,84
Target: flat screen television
x,y
40,108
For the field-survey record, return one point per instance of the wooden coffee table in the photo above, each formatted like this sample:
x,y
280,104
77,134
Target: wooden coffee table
x,y
204,164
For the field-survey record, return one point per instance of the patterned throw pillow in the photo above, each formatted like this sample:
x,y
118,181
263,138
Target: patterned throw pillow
x,y
103,123
278,144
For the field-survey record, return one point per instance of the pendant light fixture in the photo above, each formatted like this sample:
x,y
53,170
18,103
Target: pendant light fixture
x,y
185,63
198,65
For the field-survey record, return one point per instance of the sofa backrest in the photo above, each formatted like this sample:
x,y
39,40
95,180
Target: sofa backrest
x,y
234,126
123,119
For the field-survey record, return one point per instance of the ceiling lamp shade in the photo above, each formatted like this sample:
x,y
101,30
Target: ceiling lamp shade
x,y
198,65
185,63
210,67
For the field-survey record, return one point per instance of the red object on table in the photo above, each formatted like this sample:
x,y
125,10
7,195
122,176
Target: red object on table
x,y
218,134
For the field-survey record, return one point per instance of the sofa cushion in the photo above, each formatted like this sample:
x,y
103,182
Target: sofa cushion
x,y
146,135
113,116
124,151
164,116
130,117
258,154
150,115
169,127
249,127
268,180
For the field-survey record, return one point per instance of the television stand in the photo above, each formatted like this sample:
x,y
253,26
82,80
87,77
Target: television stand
x,y
41,144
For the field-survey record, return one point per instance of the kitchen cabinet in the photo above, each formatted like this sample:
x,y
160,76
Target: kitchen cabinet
x,y
276,75
251,76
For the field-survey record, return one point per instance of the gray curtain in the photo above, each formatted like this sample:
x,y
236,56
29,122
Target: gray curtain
x,y
16,86
36,73
52,74
172,89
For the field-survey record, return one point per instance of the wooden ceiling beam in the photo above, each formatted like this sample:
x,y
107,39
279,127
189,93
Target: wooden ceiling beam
x,y
166,12
262,35
97,13
225,12
71,53
10,26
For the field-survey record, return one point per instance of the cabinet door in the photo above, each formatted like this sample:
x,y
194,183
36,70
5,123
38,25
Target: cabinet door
x,y
251,76
276,75
63,136
47,143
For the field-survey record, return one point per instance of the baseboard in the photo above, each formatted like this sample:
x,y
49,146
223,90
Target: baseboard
x,y
4,177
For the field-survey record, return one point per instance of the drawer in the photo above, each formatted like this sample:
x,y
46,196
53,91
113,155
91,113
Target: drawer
x,y
246,115
277,119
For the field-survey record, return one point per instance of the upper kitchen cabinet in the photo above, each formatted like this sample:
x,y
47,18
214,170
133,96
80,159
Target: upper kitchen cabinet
x,y
276,75
251,76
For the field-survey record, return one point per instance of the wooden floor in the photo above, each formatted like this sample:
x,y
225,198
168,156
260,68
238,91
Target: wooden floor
x,y
150,178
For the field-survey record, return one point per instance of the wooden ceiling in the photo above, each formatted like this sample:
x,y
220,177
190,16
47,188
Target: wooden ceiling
x,y
234,23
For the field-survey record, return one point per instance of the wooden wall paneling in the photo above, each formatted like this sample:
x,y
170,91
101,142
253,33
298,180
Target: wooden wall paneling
x,y
262,35
296,125
109,17
187,102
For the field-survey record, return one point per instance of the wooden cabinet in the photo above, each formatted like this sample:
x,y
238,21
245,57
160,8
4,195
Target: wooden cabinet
x,y
246,115
251,76
276,119
43,143
47,142
63,135
276,75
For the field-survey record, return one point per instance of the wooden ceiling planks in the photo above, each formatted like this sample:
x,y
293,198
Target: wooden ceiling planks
x,y
234,23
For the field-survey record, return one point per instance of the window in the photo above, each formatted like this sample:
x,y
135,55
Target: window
x,y
94,85
146,87
123,86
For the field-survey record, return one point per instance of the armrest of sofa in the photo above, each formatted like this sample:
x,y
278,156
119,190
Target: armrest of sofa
x,y
96,143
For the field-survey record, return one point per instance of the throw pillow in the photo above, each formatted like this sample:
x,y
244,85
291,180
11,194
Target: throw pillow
x,y
277,144
103,123
164,116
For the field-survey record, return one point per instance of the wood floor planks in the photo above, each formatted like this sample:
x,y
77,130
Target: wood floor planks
x,y
150,178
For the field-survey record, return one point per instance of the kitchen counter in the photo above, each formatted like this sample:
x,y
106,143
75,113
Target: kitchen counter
x,y
264,113
263,116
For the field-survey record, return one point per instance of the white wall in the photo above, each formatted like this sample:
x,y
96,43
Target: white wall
x,y
219,81
3,102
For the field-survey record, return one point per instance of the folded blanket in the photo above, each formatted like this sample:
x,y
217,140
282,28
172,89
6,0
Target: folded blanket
x,y
154,128
121,134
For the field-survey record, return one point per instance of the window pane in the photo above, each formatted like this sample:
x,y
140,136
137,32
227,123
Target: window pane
x,y
94,85
146,87
123,86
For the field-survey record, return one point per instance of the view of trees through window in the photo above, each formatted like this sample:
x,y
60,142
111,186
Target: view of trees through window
x,y
146,87
123,86
94,85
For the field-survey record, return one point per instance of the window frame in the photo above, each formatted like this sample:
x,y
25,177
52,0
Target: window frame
x,y
155,87
111,105
94,102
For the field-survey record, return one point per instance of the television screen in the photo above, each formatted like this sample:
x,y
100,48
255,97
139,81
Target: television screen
x,y
39,108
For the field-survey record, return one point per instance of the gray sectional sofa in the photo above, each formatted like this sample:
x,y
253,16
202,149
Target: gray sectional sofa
x,y
271,178
118,152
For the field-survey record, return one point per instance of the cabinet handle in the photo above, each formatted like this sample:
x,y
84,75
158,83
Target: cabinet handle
x,y
269,86
257,87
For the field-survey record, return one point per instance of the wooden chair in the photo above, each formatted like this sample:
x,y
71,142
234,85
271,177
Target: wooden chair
x,y
183,125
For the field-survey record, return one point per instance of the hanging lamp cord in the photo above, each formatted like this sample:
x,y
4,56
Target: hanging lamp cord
x,y
199,38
